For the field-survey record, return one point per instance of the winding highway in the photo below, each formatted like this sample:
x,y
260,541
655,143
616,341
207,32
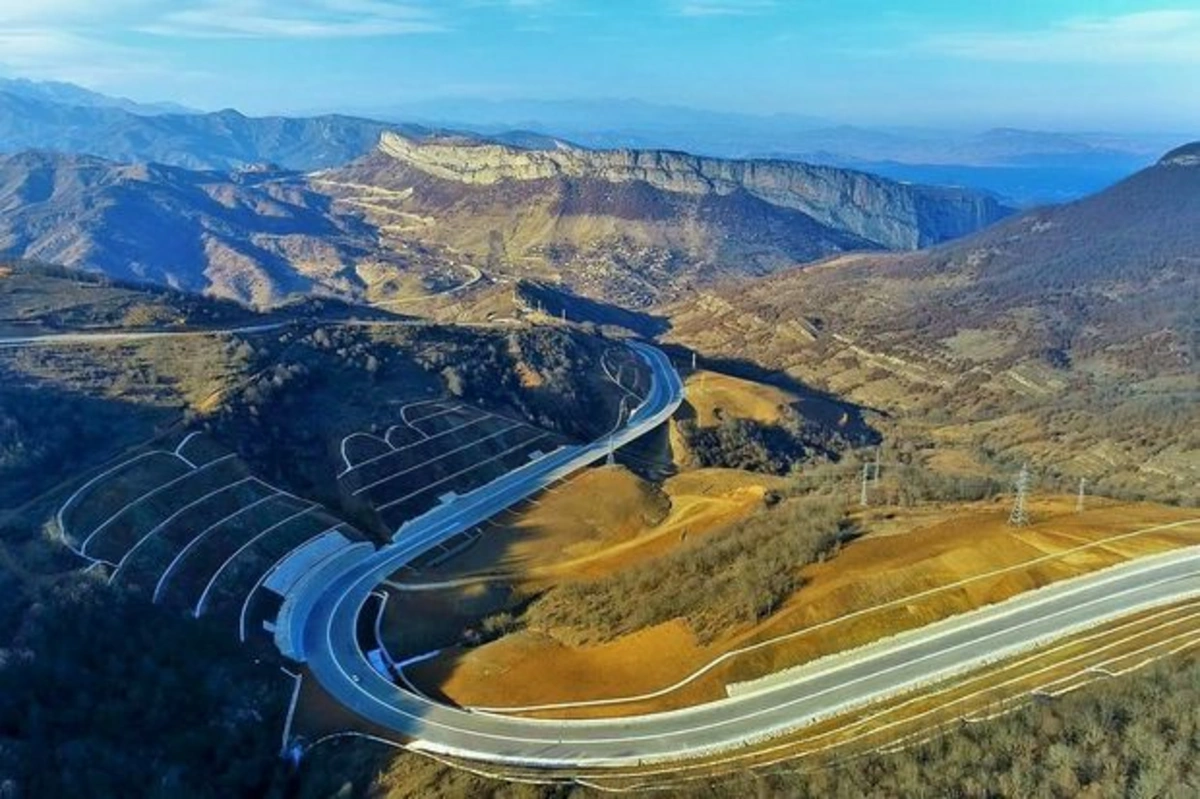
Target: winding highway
x,y
318,625
325,622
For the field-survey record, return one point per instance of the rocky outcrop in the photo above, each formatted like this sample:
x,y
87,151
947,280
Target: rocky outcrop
x,y
893,215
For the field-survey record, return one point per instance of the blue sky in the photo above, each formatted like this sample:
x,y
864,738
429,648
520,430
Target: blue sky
x,y
1054,64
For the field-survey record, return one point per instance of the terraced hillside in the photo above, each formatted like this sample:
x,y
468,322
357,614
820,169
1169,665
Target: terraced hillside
x,y
191,529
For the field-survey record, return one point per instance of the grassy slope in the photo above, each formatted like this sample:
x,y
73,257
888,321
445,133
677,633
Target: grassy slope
x,y
1066,336
38,299
575,655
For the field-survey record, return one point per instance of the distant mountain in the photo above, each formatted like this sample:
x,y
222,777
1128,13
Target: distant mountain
x,y
1077,324
70,94
1116,271
258,237
1025,166
608,123
221,140
625,226
1022,186
634,226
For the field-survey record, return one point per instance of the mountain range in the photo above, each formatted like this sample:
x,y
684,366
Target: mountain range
x,y
1054,333
628,226
253,236
1024,167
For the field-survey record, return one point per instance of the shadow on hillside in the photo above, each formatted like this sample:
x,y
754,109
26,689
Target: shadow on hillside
x,y
554,301
50,435
816,405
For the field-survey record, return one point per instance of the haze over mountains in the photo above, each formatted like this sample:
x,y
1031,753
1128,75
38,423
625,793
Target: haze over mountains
x,y
630,226
1023,167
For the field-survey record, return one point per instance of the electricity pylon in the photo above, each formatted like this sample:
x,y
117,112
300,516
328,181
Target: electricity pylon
x,y
1020,515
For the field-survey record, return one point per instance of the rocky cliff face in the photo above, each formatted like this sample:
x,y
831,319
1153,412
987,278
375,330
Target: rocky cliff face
x,y
890,214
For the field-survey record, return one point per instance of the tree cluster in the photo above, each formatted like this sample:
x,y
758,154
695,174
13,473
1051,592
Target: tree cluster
x,y
736,575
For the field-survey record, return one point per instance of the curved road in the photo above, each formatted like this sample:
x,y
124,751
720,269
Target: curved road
x,y
325,621
328,640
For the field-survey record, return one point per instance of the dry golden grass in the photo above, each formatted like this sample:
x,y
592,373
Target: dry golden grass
x,y
714,396
603,520
914,551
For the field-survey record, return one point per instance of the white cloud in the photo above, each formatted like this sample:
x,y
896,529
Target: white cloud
x,y
1146,37
721,8
38,12
50,54
299,19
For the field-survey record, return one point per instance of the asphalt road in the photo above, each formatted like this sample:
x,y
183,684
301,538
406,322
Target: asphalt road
x,y
113,337
1002,630
336,661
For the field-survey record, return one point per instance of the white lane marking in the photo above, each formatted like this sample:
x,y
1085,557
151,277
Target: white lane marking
x,y
435,459
291,712
267,573
429,416
199,610
404,411
364,667
62,527
346,440
735,653
182,444
873,729
864,721
1099,668
612,378
195,470
460,472
396,449
171,518
192,544
782,729
387,438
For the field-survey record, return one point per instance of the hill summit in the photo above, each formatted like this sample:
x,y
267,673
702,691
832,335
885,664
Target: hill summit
x,y
1187,155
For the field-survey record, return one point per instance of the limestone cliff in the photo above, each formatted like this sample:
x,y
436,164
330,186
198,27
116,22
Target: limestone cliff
x,y
892,215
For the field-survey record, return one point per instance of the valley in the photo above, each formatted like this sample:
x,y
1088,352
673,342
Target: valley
x,y
437,463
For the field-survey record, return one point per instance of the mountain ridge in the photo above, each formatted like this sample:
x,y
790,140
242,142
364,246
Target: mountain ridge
x,y
893,215
1067,335
257,237
626,226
